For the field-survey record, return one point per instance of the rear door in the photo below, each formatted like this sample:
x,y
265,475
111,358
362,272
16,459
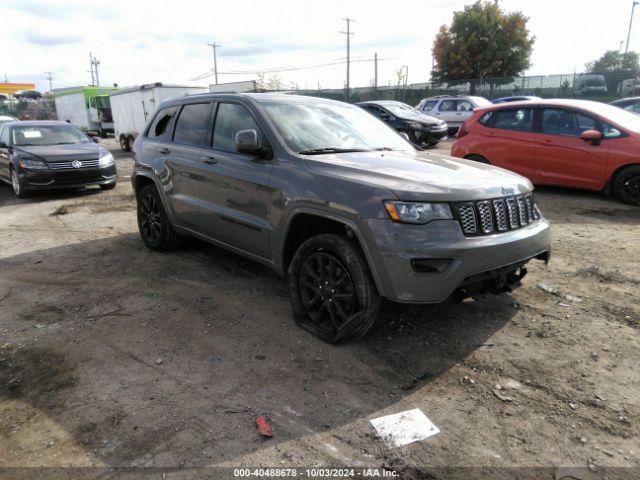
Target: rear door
x,y
563,157
446,111
235,188
509,140
183,160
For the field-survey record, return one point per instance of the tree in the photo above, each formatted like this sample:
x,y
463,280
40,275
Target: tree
x,y
613,61
482,41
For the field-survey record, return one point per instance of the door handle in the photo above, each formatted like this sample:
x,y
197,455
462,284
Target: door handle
x,y
163,150
209,160
549,142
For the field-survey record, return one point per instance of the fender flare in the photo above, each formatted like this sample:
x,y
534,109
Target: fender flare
x,y
347,222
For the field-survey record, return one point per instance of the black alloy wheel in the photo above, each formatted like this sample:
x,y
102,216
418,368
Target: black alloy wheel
x,y
626,185
327,291
332,292
155,227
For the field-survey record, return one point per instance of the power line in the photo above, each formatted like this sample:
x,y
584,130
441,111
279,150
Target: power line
x,y
94,62
348,33
215,46
284,69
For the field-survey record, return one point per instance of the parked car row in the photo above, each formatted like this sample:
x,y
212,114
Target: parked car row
x,y
573,143
329,195
45,155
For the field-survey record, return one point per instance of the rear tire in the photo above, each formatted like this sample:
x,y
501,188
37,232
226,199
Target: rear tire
x,y
124,144
626,185
332,293
477,158
153,223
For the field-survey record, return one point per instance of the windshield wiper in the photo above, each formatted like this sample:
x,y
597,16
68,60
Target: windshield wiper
x,y
383,149
319,151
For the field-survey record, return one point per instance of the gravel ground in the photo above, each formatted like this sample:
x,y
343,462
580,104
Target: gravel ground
x,y
115,356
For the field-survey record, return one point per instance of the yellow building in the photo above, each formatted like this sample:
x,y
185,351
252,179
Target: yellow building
x,y
10,88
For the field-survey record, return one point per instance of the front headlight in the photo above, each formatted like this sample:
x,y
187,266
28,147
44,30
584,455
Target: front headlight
x,y
415,125
31,164
420,213
106,159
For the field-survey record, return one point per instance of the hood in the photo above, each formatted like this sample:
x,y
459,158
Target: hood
x,y
419,117
56,153
423,176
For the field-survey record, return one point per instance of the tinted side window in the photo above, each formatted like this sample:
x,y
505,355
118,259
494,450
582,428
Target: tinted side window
x,y
609,131
447,106
486,118
430,105
464,106
559,121
4,135
231,118
160,124
514,119
193,125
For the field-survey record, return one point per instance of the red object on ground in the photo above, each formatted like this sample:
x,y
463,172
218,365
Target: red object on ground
x,y
263,427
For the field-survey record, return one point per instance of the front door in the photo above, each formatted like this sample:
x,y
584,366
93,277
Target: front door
x,y
563,157
235,188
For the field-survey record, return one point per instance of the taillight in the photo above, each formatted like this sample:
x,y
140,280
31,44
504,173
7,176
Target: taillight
x,y
462,131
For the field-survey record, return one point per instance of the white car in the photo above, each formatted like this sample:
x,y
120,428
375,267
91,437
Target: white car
x,y
7,119
452,109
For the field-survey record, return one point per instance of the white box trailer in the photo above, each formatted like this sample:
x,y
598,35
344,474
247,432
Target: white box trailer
x,y
234,87
85,107
132,107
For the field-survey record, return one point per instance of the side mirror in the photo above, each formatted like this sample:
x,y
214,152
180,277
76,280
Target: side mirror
x,y
592,136
96,139
247,142
405,136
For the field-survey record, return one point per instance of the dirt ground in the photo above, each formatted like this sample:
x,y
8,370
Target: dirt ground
x,y
115,356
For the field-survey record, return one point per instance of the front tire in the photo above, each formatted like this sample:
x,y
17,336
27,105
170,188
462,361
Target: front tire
x,y
153,223
18,185
332,293
626,185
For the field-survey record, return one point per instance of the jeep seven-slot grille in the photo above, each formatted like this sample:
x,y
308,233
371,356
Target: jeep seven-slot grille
x,y
495,216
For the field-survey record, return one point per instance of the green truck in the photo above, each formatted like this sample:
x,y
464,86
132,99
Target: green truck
x,y
88,108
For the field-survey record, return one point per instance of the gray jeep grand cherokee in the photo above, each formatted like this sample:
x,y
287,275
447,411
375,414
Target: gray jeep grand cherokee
x,y
331,197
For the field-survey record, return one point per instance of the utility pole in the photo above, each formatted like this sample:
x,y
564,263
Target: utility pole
x,y
215,46
50,78
93,78
375,72
626,49
94,62
348,33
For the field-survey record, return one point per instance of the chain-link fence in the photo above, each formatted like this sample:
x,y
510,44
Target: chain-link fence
x,y
604,87
29,109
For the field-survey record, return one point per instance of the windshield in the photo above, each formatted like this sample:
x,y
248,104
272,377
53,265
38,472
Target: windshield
x,y
47,135
594,82
311,126
400,109
101,101
619,116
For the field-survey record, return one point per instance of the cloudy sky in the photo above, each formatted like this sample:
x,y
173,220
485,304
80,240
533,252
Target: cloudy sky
x,y
143,42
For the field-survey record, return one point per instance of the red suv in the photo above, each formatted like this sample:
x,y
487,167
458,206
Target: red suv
x,y
573,143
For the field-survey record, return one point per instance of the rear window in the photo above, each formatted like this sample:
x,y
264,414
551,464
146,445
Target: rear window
x,y
161,123
193,125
